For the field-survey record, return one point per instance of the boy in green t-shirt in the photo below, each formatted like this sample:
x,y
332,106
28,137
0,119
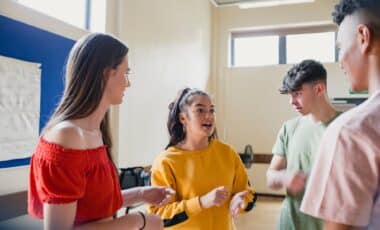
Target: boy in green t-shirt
x,y
298,140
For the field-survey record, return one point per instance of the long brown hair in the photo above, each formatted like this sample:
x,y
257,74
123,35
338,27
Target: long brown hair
x,y
88,60
176,130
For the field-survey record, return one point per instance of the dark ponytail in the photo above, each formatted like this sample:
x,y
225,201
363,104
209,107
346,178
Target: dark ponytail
x,y
175,127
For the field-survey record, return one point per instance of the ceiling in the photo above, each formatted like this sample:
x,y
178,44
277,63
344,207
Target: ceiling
x,y
229,2
221,3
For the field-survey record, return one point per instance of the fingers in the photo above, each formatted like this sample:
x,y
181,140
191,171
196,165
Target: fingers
x,y
215,197
243,194
237,203
300,176
296,182
168,197
164,190
221,195
169,191
158,195
222,191
296,187
234,212
163,202
236,207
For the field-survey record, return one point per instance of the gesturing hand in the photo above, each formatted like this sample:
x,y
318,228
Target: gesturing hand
x,y
237,202
295,182
215,197
157,195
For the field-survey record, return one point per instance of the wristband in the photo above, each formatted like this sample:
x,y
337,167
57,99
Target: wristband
x,y
144,221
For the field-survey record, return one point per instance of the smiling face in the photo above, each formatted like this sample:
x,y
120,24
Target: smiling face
x,y
198,118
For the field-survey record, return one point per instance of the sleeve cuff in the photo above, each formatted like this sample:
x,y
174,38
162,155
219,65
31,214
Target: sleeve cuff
x,y
250,201
278,153
193,206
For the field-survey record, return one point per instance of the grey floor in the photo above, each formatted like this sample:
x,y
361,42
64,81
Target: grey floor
x,y
263,217
21,223
26,222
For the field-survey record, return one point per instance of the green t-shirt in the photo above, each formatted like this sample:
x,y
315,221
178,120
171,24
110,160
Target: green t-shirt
x,y
298,141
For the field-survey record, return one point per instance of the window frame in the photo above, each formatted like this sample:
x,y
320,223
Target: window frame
x,y
282,33
86,24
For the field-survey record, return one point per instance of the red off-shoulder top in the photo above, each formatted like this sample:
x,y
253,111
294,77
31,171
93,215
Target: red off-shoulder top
x,y
59,175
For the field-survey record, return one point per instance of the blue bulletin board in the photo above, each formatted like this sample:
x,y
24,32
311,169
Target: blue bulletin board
x,y
22,41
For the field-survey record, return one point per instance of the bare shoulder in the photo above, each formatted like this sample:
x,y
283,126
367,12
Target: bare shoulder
x,y
65,134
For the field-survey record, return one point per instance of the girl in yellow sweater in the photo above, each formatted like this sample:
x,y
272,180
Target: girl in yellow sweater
x,y
208,176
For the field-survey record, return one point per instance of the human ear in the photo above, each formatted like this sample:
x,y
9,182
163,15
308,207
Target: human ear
x,y
364,38
318,88
321,88
182,118
109,72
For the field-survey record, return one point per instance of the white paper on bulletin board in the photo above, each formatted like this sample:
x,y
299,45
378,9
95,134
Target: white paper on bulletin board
x,y
19,107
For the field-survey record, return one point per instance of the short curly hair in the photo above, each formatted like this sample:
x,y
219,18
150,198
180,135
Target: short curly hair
x,y
308,71
349,7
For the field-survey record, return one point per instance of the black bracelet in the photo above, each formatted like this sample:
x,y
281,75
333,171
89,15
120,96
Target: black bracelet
x,y
144,221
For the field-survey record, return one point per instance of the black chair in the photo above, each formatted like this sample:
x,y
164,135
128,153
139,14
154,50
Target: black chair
x,y
134,177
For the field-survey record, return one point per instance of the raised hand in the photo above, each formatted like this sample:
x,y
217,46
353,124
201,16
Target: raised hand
x,y
157,195
215,197
238,202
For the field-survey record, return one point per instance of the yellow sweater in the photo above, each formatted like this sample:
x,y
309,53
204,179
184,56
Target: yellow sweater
x,y
193,174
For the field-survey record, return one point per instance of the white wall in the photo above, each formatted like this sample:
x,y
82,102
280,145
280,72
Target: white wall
x,y
169,44
177,43
16,179
170,49
256,110
250,109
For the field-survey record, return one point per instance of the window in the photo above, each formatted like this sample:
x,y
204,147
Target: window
x,y
283,46
256,51
85,14
98,16
318,46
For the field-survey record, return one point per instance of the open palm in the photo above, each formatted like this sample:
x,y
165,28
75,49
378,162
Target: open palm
x,y
157,195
